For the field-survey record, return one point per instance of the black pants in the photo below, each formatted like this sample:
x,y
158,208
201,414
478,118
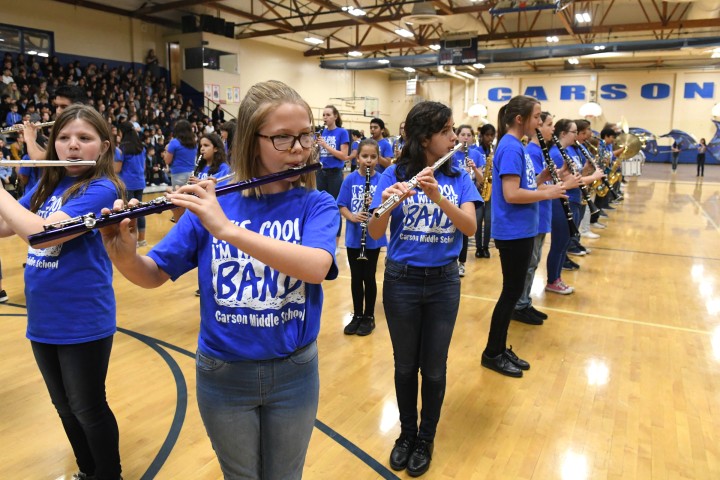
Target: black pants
x,y
514,260
75,378
701,165
362,283
482,234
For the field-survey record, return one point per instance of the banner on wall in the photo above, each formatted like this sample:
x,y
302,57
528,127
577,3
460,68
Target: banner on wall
x,y
208,90
236,94
216,93
229,94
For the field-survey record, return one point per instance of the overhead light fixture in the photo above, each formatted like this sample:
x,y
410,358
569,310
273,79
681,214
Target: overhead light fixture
x,y
434,46
573,61
404,33
32,52
583,17
357,12
2,39
409,69
383,61
43,54
599,48
590,109
355,53
314,40
479,65
552,39
716,53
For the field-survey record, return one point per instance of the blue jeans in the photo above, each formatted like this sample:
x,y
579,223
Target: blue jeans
x,y
75,378
525,300
421,305
559,238
259,415
330,180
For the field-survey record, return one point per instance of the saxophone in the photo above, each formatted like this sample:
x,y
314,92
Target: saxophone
x,y
486,188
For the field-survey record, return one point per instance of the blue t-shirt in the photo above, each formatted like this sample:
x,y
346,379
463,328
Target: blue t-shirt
x,y
352,196
222,171
249,311
574,193
544,206
183,157
68,287
32,174
386,151
133,170
421,235
512,221
474,155
354,147
335,138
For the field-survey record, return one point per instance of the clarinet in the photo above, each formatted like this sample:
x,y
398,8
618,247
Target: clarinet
x,y
574,232
588,158
412,183
364,209
571,167
90,221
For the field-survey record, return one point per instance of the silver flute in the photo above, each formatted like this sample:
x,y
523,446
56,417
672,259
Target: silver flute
x,y
394,199
47,163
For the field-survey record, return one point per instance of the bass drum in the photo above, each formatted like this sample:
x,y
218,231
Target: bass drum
x,y
632,167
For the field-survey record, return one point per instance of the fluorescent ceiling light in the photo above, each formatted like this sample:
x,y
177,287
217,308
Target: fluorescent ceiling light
x,y
314,40
573,61
598,48
409,69
435,47
582,17
43,54
384,61
355,53
32,52
358,12
553,39
479,65
404,33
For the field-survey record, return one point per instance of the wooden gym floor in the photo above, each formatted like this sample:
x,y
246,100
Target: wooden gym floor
x,y
624,381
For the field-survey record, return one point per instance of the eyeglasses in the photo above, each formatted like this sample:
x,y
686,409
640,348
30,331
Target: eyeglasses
x,y
572,131
284,142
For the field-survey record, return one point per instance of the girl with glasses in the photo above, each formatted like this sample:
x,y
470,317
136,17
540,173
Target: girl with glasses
x,y
261,257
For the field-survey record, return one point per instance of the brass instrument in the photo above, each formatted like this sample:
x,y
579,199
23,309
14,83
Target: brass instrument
x,y
19,127
631,145
602,187
365,208
395,199
486,188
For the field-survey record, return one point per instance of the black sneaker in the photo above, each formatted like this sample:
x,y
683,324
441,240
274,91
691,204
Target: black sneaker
x,y
419,461
518,362
367,325
352,327
525,315
478,253
401,452
570,265
538,313
3,296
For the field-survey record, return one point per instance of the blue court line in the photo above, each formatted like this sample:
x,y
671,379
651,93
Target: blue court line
x,y
181,408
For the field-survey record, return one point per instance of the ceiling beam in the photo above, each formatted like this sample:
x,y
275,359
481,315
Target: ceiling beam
x,y
250,16
119,11
170,6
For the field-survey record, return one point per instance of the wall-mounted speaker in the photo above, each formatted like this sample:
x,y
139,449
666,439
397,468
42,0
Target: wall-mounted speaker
x,y
189,24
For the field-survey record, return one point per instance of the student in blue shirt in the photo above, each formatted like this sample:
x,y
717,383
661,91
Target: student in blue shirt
x,y
469,160
181,156
515,197
130,165
484,212
212,162
377,127
71,329
355,137
421,290
261,256
334,149
353,202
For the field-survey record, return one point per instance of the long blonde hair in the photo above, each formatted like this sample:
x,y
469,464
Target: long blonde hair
x,y
52,176
261,100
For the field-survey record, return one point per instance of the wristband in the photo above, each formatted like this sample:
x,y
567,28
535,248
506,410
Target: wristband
x,y
438,201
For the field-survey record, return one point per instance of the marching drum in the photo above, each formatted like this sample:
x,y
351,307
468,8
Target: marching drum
x,y
632,167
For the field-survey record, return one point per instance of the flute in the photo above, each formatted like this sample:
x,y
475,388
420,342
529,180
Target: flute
x,y
47,163
394,199
90,221
19,127
573,169
552,168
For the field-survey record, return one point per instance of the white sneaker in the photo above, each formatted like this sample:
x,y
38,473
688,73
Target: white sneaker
x,y
461,269
597,225
589,234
